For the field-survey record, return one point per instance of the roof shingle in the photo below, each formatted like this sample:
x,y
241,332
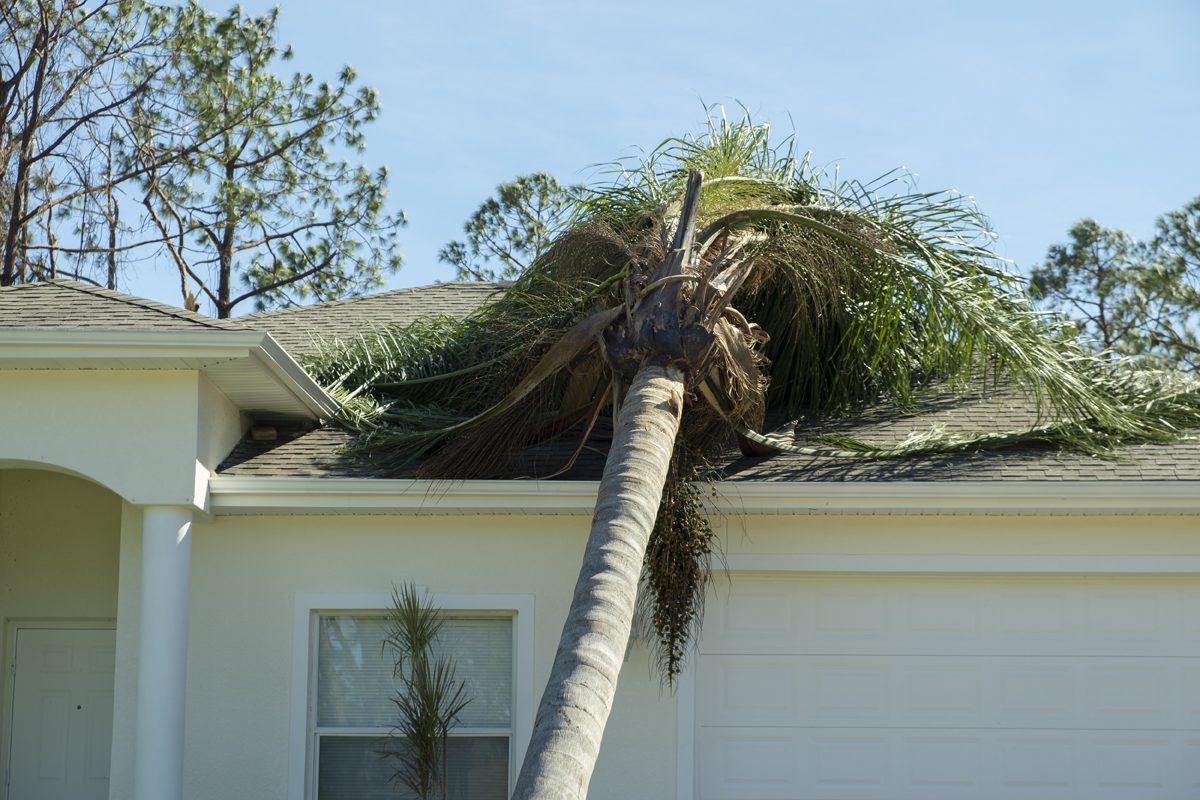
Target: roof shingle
x,y
301,328
68,304
321,453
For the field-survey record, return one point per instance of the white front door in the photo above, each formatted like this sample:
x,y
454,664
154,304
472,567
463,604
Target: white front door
x,y
62,717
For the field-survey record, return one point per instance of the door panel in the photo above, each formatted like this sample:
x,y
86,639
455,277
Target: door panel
x,y
62,714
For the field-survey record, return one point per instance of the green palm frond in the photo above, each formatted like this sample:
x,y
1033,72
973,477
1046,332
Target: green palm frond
x,y
803,294
868,291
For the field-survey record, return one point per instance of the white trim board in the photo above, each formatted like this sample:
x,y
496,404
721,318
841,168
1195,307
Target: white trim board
x,y
307,606
983,563
275,495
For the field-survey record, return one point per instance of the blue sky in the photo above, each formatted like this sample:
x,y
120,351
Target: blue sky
x,y
1045,112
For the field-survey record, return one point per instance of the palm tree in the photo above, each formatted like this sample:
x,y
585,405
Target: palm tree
x,y
428,700
663,305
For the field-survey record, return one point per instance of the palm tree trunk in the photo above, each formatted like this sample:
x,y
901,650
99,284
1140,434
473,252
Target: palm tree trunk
x,y
579,695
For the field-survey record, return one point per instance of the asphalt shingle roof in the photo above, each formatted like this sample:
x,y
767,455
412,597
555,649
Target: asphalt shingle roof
x,y
299,454
68,304
300,328
974,413
321,453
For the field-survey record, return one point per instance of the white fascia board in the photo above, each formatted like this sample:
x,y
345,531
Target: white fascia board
x,y
970,497
32,348
269,495
35,348
263,495
290,374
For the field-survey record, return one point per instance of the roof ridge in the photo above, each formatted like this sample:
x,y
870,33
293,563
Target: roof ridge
x,y
276,312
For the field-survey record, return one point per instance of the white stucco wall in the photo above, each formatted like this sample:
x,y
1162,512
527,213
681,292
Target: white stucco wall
x,y
63,541
59,539
151,436
58,547
248,570
220,425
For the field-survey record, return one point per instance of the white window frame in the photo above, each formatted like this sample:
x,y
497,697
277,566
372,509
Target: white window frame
x,y
310,607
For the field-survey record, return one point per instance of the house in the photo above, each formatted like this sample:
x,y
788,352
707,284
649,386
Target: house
x,y
192,574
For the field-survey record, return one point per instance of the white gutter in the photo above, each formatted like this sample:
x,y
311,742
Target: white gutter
x,y
27,347
40,348
264,495
290,374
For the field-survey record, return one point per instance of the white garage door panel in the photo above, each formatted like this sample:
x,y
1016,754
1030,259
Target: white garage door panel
x,y
950,691
957,615
845,764
842,687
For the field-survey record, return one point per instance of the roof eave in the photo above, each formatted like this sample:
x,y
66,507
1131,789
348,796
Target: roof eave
x,y
202,349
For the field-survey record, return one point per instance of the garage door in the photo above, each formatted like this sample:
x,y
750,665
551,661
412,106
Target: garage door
x,y
839,687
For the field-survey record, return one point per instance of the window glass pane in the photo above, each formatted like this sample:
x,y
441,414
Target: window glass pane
x,y
483,659
354,673
355,680
358,768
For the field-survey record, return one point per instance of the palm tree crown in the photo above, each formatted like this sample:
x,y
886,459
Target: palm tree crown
x,y
744,283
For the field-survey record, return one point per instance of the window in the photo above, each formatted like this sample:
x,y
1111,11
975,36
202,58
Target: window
x,y
353,714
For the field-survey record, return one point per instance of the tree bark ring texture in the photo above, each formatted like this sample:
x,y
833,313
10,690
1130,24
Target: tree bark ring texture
x,y
579,693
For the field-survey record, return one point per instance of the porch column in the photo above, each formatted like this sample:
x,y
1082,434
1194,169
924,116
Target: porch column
x,y
162,653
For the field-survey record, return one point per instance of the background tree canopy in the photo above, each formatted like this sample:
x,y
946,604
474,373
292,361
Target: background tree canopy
x,y
510,230
1128,297
134,133
69,72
